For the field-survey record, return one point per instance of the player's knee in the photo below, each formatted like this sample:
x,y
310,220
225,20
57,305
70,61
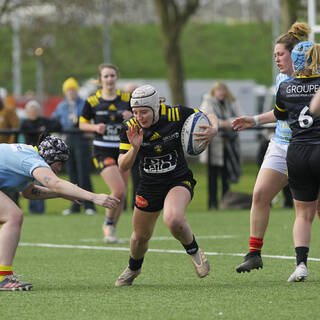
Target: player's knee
x,y
260,196
308,216
16,217
141,237
172,221
119,193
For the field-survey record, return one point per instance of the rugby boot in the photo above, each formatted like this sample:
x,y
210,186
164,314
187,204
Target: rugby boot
x,y
11,283
252,260
300,274
110,236
126,277
200,263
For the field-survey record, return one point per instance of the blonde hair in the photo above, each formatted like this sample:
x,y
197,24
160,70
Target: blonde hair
x,y
312,61
298,32
222,85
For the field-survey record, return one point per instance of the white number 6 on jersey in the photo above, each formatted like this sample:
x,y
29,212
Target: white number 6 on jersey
x,y
305,121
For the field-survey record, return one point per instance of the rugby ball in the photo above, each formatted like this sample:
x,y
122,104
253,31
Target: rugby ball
x,y
191,125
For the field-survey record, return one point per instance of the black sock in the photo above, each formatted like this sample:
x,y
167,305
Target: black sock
x,y
301,254
109,221
134,264
191,248
254,253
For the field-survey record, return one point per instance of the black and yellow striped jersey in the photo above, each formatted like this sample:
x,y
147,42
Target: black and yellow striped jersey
x,y
161,155
292,104
108,112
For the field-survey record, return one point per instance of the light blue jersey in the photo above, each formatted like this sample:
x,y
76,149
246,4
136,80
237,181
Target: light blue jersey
x,y
17,162
283,132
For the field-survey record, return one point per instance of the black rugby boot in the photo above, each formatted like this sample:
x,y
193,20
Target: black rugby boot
x,y
252,260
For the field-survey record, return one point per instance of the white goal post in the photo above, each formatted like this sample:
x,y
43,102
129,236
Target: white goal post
x,y
312,19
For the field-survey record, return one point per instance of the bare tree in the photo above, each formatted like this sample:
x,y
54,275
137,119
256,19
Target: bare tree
x,y
173,16
289,13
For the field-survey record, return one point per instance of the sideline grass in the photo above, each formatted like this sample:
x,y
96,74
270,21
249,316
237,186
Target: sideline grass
x,y
79,284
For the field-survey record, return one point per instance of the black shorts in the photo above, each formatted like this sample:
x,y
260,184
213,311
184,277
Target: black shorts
x,y
303,163
150,197
105,157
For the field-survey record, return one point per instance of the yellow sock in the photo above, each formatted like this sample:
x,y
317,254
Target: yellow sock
x,y
5,271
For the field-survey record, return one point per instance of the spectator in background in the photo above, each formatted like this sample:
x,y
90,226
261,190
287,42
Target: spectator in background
x,y
78,167
223,156
31,127
9,120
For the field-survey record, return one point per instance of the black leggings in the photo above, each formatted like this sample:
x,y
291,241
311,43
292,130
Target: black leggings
x,y
214,172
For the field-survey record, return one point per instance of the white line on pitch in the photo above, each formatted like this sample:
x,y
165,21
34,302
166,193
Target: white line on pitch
x,y
164,238
69,246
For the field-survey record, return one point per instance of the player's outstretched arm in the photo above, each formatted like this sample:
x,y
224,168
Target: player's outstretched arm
x,y
62,188
246,122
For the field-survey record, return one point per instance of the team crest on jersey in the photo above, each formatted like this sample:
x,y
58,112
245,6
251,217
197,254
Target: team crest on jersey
x,y
141,202
109,161
158,148
112,107
155,136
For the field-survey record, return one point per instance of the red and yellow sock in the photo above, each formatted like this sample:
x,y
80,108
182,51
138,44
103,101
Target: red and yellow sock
x,y
255,244
5,271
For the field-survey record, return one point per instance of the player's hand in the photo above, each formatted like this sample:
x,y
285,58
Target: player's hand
x,y
106,201
135,136
100,128
126,114
243,123
206,135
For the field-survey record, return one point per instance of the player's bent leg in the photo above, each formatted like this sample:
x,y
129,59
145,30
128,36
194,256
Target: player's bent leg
x,y
11,218
174,219
143,226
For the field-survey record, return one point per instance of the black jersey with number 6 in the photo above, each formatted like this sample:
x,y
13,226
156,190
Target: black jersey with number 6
x,y
161,154
292,104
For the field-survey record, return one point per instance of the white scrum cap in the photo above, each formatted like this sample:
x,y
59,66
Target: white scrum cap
x,y
146,96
